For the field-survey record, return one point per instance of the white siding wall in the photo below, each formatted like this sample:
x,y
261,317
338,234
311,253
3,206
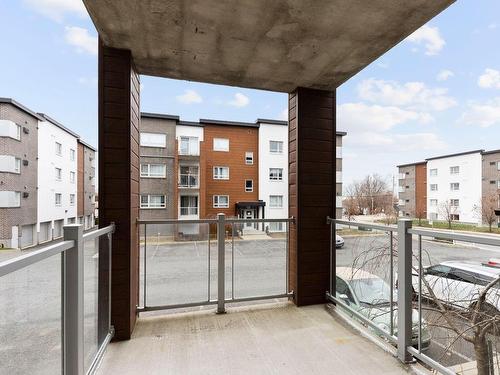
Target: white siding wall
x,y
469,178
267,133
48,186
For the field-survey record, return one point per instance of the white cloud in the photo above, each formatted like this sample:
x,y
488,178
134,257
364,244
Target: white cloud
x,y
393,143
430,37
81,39
483,114
489,79
443,75
413,95
239,100
283,114
88,81
492,26
376,118
56,9
189,97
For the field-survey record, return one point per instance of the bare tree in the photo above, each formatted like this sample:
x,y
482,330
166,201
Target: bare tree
x,y
485,210
351,207
449,211
369,193
420,214
456,314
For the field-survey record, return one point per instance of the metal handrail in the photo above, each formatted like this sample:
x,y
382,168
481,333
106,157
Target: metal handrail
x,y
386,228
99,232
23,261
177,221
472,238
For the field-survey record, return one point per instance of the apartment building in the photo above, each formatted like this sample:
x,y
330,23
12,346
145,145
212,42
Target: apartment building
x,y
454,186
491,175
230,152
18,174
57,178
412,190
158,174
338,171
86,187
47,177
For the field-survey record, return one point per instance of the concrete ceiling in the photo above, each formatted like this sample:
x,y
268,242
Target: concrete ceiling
x,y
274,45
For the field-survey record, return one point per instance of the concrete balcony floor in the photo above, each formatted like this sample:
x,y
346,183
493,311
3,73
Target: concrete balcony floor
x,y
266,339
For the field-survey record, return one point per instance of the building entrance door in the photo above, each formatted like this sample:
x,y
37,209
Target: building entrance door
x,y
249,214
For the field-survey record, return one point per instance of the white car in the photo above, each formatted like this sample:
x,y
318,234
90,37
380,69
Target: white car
x,y
459,284
369,295
339,242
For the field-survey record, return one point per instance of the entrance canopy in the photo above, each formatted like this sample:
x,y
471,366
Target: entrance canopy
x,y
274,45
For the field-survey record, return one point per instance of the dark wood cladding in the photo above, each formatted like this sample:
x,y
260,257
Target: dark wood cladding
x,y
421,190
119,117
312,157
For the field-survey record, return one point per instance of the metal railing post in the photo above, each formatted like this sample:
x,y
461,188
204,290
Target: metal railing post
x,y
73,310
404,290
221,263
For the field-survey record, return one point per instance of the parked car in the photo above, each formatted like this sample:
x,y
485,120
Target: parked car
x,y
458,284
369,295
339,242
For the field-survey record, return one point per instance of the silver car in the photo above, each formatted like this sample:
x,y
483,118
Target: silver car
x,y
339,242
369,295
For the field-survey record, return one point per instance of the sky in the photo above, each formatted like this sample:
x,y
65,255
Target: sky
x,y
437,92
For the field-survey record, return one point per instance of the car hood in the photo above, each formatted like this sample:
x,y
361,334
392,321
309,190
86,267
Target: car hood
x,y
381,315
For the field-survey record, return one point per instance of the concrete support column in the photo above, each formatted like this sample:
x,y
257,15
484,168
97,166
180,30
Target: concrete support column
x,y
312,157
119,179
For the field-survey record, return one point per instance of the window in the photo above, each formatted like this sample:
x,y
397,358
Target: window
x,y
221,144
221,201
434,187
276,174
58,174
276,201
58,199
10,164
188,176
153,201
72,155
58,149
153,140
221,173
455,170
454,186
10,199
276,147
433,172
454,202
10,129
189,205
72,199
498,165
276,227
498,184
455,217
153,170
189,146
433,216
434,202
248,186
249,158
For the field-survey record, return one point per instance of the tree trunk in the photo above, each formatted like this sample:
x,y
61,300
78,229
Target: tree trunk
x,y
482,356
491,224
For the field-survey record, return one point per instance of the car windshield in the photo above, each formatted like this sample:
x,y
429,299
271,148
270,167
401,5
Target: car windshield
x,y
372,291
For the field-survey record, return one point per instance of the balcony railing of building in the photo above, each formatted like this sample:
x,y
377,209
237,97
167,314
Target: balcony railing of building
x,y
189,263
55,310
188,181
400,282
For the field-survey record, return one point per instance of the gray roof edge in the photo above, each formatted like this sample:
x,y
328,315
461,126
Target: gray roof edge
x,y
230,123
21,107
87,144
160,116
271,121
190,123
491,152
410,164
480,151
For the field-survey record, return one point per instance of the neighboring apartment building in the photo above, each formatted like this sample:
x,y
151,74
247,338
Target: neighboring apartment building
x,y
230,152
39,179
18,174
491,175
412,189
157,158
57,178
454,185
86,177
338,171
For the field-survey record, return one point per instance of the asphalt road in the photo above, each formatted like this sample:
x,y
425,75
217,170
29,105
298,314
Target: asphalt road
x,y
176,273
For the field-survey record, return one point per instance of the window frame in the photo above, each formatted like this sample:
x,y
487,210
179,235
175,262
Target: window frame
x,y
431,201
219,149
452,184
189,175
72,177
275,196
58,173
72,154
148,175
452,170
280,147
434,185
58,146
279,177
215,175
143,143
190,141
58,195
433,172
72,199
190,211
249,158
148,204
248,189
218,204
